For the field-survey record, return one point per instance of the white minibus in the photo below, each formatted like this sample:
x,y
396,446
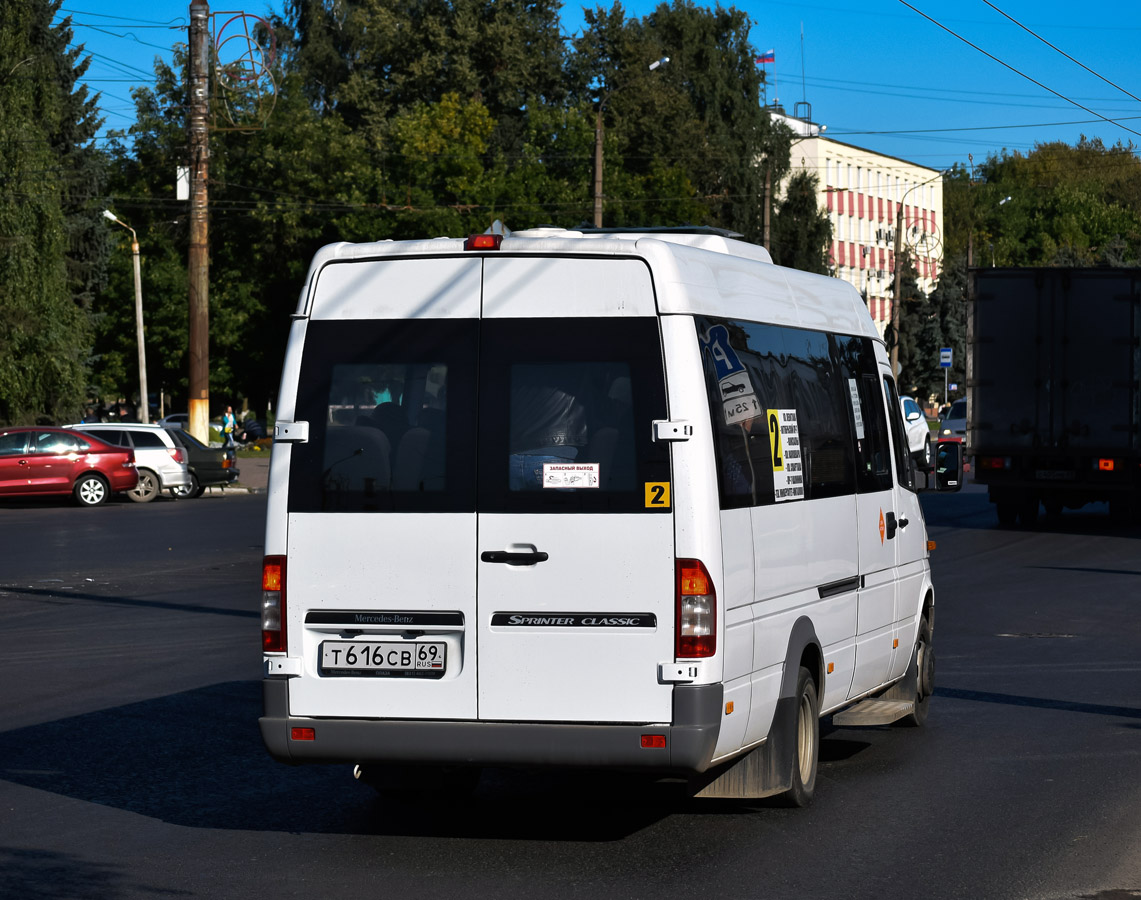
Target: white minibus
x,y
628,501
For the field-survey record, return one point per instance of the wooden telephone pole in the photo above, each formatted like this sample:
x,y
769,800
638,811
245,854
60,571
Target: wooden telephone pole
x,y
198,264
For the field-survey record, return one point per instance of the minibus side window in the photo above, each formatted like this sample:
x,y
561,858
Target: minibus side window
x,y
857,365
778,405
902,459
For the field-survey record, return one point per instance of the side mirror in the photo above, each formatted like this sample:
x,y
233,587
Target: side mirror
x,y
914,416
949,464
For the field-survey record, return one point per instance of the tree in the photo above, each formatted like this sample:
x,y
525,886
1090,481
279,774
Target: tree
x,y
52,257
802,232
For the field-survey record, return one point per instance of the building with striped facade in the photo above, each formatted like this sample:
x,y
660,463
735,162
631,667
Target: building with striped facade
x,y
866,195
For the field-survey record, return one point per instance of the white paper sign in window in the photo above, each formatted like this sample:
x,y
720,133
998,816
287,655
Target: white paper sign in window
x,y
788,465
571,475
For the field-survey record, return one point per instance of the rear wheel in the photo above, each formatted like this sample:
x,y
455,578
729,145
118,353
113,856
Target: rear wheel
x,y
807,751
1028,512
91,490
147,488
188,491
1007,513
924,662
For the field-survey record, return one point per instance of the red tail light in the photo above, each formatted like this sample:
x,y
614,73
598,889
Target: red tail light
x,y
175,454
273,604
227,463
696,625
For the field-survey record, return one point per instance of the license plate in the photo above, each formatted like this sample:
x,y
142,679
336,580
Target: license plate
x,y
396,659
1054,475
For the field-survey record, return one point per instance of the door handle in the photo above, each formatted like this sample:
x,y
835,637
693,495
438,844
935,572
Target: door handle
x,y
902,522
23,462
892,524
514,557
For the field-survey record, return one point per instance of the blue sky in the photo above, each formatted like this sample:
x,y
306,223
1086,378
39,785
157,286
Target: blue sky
x,y
877,73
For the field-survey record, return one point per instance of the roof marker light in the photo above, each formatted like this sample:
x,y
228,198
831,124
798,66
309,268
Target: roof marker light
x,y
483,242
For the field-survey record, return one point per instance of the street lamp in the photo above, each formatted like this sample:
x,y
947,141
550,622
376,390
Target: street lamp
x,y
895,303
657,63
143,398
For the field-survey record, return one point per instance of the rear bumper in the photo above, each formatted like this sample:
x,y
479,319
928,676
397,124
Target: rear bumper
x,y
690,738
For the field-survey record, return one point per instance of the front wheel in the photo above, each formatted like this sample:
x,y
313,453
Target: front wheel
x,y
147,488
807,753
91,490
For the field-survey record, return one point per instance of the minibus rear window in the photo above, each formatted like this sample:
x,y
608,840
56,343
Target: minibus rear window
x,y
391,413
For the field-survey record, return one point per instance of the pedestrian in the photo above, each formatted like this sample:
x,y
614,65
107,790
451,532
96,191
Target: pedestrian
x,y
229,423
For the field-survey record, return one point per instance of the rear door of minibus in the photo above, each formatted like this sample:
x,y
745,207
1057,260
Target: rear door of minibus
x,y
576,546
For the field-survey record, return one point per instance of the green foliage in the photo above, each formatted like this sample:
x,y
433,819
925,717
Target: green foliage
x,y
802,232
51,259
1074,205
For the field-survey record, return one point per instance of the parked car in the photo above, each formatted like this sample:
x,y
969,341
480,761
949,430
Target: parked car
x,y
175,420
954,421
161,463
208,465
918,431
43,460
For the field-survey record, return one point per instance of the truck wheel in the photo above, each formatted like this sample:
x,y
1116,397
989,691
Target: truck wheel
x,y
807,755
1028,512
1007,513
1053,508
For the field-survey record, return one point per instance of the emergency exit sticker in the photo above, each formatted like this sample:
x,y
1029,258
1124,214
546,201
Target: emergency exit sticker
x,y
784,447
571,475
657,494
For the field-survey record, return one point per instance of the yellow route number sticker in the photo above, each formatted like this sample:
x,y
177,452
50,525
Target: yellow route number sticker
x,y
657,494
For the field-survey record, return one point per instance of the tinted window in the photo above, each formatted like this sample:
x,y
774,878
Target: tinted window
x,y
112,436
391,407
187,439
564,416
13,444
958,410
780,411
857,361
147,440
566,407
902,459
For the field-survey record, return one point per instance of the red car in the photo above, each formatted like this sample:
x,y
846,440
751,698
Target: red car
x,y
44,460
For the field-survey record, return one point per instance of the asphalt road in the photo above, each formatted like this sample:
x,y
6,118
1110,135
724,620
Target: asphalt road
x,y
131,766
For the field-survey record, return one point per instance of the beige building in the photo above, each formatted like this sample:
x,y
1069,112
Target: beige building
x,y
865,194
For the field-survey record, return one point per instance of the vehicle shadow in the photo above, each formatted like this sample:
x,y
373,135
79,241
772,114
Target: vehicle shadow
x,y
46,875
196,759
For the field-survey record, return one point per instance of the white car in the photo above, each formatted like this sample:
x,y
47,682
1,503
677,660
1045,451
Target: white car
x,y
918,432
161,463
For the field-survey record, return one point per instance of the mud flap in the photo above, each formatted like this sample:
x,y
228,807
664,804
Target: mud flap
x,y
764,771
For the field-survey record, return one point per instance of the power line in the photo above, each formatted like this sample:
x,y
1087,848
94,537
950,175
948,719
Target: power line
x,y
1063,52
1017,71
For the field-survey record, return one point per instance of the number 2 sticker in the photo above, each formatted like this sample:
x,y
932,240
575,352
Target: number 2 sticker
x,y
657,494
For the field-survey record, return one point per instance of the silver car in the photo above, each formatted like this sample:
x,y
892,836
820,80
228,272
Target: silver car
x,y
954,421
161,462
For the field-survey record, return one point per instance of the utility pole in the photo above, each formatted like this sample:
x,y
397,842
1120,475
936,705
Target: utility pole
x,y
766,239
144,402
198,264
895,304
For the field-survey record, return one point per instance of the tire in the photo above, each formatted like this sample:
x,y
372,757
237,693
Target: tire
x,y
1053,508
806,755
188,491
147,488
1007,513
91,490
1028,512
924,662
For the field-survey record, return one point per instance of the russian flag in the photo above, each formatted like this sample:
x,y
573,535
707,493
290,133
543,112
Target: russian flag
x,y
769,56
